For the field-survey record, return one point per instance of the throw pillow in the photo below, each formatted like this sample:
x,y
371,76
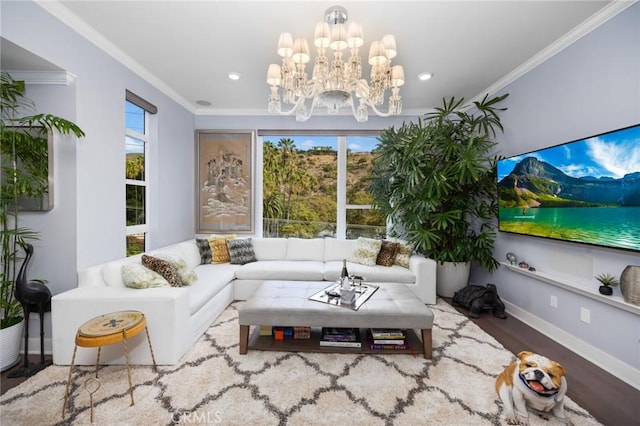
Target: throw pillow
x,y
404,252
205,250
241,251
366,251
219,250
187,276
135,275
164,268
388,253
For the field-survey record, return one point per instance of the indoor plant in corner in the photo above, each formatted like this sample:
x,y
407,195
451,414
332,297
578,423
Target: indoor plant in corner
x,y
20,177
434,179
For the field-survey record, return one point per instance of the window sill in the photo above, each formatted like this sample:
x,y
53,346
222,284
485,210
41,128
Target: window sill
x,y
574,287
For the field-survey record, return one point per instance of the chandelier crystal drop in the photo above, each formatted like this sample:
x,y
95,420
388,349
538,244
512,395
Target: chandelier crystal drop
x,y
336,80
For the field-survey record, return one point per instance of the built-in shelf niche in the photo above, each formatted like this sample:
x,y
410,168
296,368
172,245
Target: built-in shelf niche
x,y
575,287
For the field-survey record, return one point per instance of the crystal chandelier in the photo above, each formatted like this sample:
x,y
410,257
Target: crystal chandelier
x,y
337,83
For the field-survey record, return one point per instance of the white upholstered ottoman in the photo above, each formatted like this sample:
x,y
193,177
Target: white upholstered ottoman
x,y
286,303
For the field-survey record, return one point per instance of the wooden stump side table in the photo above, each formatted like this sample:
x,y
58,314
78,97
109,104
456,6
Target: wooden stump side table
x,y
105,330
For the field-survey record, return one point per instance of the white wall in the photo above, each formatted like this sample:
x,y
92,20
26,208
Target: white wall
x,y
590,87
87,224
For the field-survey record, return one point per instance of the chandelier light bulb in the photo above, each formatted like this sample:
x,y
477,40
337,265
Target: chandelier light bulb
x,y
274,75
285,45
389,42
354,35
322,35
377,54
300,51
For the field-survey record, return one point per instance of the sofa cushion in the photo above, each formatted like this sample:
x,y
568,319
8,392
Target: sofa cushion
x,y
404,252
187,250
366,251
112,271
219,250
187,276
303,270
372,274
241,251
136,275
305,249
164,268
205,250
270,248
211,279
338,249
388,253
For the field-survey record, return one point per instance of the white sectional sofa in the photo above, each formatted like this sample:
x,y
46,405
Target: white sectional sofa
x,y
178,316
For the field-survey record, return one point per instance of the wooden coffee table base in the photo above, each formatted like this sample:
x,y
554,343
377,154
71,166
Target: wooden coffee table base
x,y
257,342
290,303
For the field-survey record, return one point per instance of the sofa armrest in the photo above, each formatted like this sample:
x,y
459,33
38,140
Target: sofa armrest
x,y
166,311
425,270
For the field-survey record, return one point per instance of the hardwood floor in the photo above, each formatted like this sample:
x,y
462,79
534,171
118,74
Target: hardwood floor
x,y
610,400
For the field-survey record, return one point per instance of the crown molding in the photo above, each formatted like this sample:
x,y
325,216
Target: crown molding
x,y
588,25
55,8
43,77
58,10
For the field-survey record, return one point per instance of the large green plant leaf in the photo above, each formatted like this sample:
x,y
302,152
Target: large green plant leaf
x,y
435,179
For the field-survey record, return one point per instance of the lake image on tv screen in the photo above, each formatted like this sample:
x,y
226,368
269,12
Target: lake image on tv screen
x,y
586,191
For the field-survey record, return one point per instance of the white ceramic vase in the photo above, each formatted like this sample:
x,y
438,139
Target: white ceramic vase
x,y
10,339
451,277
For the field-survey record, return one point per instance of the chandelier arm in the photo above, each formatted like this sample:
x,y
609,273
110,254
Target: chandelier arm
x,y
380,113
293,108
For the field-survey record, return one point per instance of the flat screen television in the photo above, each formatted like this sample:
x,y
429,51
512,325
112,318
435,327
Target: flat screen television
x,y
584,191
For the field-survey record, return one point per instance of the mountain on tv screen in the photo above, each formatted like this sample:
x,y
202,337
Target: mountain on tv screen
x,y
585,191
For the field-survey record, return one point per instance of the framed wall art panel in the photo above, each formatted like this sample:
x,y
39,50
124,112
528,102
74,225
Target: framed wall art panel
x,y
224,181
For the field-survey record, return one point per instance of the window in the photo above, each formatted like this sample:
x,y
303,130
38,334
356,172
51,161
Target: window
x,y
136,139
362,220
314,185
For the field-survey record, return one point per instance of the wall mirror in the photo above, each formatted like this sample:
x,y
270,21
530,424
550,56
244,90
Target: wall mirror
x,y
33,172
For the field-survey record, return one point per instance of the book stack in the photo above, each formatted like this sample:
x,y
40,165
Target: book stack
x,y
282,333
388,338
301,332
341,337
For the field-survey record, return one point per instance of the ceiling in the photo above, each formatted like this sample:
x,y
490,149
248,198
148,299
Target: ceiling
x,y
187,48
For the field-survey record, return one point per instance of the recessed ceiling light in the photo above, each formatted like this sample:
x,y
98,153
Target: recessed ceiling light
x,y
233,76
424,76
202,102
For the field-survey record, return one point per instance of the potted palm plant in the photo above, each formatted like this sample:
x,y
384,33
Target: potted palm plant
x,y
22,135
435,180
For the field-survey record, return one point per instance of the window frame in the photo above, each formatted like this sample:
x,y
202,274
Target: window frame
x,y
341,179
141,228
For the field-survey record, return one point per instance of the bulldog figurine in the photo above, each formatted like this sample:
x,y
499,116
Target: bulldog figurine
x,y
532,381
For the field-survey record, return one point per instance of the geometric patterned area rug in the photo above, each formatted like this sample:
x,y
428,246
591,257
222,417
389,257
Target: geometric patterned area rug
x,y
215,385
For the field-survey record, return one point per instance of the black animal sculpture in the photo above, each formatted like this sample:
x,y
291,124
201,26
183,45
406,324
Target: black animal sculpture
x,y
477,298
33,297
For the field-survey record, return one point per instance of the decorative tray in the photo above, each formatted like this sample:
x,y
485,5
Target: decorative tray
x,y
330,295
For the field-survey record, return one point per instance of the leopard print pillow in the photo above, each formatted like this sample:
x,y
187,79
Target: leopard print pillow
x,y
164,268
387,254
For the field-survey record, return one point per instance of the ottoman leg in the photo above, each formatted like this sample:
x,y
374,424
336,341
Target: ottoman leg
x,y
427,343
244,339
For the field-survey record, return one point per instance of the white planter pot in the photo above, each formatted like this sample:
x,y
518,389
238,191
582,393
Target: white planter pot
x,y
10,339
451,277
